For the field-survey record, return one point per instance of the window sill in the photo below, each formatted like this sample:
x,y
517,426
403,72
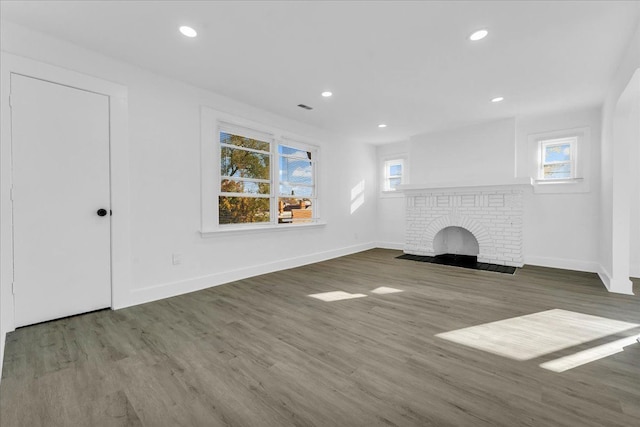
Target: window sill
x,y
391,194
560,186
260,228
557,181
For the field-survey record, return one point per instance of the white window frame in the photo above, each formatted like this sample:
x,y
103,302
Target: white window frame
x,y
387,173
573,154
580,157
295,144
212,123
385,163
247,133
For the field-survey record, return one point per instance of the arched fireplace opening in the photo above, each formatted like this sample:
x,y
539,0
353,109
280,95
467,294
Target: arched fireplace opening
x,y
456,246
457,241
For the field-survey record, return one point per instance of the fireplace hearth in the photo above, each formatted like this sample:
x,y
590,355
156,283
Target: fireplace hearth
x,y
464,261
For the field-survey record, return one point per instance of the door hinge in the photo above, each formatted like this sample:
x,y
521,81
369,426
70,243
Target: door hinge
x,y
11,194
13,288
10,103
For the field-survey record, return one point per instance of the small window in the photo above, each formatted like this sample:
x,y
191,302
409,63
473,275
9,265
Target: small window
x,y
393,174
558,159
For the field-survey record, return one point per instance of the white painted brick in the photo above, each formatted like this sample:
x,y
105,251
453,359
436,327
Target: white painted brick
x,y
494,217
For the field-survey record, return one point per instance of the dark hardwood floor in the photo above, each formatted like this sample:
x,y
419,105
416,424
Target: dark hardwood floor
x,y
261,352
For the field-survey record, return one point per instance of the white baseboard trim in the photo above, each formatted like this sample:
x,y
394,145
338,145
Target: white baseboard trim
x,y
167,290
612,285
390,245
3,336
605,277
624,286
563,263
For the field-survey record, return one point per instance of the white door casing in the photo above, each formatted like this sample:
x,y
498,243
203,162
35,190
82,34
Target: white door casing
x,y
60,157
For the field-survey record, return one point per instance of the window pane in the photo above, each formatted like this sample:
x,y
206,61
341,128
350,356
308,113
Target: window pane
x,y
234,186
295,190
395,170
244,164
238,210
296,171
557,153
289,151
394,182
292,210
557,171
242,141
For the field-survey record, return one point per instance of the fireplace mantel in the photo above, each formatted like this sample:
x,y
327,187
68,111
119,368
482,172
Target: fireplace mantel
x,y
456,186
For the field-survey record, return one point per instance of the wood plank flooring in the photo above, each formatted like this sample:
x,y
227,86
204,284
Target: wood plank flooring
x,y
261,352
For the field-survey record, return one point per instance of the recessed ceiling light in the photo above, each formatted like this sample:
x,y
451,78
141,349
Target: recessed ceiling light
x,y
478,35
327,94
188,31
497,99
382,125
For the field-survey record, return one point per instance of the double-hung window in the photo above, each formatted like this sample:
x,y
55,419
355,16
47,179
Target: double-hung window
x,y
558,159
254,177
393,174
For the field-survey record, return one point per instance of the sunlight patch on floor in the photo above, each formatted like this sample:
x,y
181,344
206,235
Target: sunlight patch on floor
x,y
534,335
385,290
336,296
590,355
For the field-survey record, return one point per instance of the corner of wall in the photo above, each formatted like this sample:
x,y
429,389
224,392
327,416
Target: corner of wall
x,y
390,245
3,337
604,276
616,286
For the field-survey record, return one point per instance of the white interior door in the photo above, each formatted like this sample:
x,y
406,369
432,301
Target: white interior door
x,y
60,146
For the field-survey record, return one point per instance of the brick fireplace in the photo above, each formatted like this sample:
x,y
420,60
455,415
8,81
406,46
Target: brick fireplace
x,y
493,214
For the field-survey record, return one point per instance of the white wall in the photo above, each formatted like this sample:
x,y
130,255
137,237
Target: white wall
x,y
391,220
481,152
611,153
634,259
559,229
626,137
164,138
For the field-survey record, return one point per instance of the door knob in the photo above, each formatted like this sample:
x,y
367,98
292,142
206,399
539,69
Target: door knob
x,y
101,212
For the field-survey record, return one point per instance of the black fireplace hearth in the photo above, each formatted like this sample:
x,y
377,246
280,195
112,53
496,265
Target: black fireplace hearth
x,y
464,261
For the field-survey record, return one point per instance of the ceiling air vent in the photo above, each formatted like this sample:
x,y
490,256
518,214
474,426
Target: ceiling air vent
x,y
306,107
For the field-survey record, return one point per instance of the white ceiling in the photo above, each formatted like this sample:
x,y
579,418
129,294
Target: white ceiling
x,y
407,64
